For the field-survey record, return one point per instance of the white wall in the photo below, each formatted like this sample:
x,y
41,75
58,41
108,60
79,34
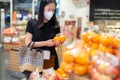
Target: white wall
x,y
84,13
70,9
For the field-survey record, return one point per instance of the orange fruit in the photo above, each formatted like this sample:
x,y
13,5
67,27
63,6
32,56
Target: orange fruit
x,y
106,40
93,53
56,38
80,69
94,46
95,38
86,37
67,67
110,50
64,75
103,40
106,49
82,59
61,73
85,44
102,48
62,38
116,43
68,57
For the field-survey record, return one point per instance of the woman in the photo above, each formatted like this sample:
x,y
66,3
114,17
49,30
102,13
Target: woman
x,y
43,29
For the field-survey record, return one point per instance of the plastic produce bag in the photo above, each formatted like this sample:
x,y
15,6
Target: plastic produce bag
x,y
35,75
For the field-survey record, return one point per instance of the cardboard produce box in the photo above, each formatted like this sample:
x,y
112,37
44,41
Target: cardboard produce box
x,y
22,40
14,60
9,46
10,42
22,43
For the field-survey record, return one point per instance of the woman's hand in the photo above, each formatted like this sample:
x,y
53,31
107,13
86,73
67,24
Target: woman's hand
x,y
57,43
50,43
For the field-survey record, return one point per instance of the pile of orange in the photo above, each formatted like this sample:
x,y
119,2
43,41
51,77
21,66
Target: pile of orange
x,y
81,64
91,37
68,61
68,57
66,65
90,40
82,59
104,42
80,69
60,38
93,52
88,47
77,64
86,37
61,73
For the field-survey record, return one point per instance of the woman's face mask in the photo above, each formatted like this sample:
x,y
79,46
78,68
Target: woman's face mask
x,y
48,14
49,11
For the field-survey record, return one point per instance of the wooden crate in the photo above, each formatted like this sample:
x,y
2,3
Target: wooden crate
x,y
14,60
22,43
6,46
9,46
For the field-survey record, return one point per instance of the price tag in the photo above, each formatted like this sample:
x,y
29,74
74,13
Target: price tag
x,y
7,39
15,39
46,55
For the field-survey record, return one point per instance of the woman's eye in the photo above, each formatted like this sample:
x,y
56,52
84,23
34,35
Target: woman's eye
x,y
51,10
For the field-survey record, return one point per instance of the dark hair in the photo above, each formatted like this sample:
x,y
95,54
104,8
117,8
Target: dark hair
x,y
53,21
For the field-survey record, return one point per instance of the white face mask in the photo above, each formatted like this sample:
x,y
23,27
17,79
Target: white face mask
x,y
48,14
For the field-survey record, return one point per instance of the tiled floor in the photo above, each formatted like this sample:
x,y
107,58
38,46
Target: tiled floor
x,y
5,72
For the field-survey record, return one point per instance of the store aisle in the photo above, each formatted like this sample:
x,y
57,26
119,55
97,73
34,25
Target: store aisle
x,y
5,72
4,65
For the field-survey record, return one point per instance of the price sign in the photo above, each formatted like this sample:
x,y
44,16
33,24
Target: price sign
x,y
15,39
46,54
7,39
